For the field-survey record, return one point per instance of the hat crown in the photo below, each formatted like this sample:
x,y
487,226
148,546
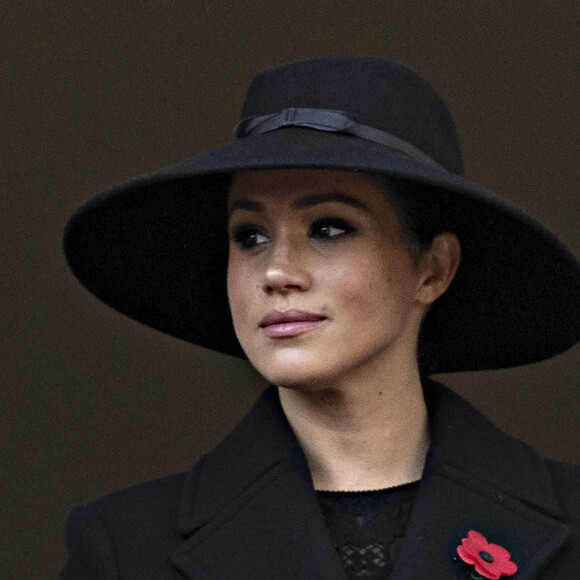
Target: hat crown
x,y
155,248
380,93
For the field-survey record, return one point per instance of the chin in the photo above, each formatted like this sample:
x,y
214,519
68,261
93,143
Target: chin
x,y
293,368
286,366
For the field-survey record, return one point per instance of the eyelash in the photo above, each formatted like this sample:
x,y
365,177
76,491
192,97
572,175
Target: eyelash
x,y
242,234
330,222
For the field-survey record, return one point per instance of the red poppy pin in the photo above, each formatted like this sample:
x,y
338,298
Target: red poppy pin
x,y
489,560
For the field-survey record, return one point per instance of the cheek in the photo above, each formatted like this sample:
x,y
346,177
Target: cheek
x,y
244,288
370,286
358,278
237,290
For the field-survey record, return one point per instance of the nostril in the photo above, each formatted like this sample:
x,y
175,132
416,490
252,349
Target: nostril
x,y
285,277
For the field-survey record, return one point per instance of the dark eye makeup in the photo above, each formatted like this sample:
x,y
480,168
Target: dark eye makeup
x,y
330,227
248,236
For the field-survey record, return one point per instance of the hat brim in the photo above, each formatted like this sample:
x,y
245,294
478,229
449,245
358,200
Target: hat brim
x,y
155,249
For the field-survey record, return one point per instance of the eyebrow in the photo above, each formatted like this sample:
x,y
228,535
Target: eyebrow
x,y
303,202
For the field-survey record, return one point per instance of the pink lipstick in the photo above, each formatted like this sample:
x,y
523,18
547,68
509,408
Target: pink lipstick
x,y
287,323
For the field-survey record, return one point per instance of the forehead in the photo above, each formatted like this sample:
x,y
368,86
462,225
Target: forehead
x,y
285,193
288,185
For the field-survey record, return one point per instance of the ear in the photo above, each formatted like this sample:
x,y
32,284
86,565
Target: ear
x,y
438,267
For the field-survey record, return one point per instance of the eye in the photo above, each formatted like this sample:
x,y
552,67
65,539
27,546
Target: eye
x,y
330,228
248,237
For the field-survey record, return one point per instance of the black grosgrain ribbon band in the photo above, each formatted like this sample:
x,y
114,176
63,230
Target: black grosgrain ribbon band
x,y
330,120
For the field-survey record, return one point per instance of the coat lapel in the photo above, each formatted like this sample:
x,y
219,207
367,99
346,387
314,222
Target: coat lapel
x,y
249,509
476,478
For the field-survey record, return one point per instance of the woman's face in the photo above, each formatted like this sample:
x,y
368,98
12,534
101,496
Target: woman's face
x,y
321,282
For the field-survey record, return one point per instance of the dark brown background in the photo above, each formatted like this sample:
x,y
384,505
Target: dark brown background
x,y
99,92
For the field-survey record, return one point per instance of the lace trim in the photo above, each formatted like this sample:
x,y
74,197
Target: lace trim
x,y
367,527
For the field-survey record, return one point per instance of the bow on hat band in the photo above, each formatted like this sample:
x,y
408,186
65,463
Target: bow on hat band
x,y
328,120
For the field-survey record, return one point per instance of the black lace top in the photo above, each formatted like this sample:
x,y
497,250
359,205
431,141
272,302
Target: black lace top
x,y
367,526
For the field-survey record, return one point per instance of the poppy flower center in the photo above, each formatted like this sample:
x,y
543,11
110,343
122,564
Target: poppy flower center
x,y
486,556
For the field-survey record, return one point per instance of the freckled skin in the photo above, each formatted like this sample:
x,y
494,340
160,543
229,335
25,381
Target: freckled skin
x,y
365,282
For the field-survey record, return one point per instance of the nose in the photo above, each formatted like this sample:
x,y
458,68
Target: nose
x,y
286,271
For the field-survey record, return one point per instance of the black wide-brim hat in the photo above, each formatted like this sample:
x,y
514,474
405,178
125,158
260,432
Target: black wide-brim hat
x,y
156,248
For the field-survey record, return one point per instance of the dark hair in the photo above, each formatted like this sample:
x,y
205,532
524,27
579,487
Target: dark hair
x,y
420,225
409,199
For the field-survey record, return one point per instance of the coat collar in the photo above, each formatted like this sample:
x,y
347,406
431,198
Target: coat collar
x,y
249,509
476,477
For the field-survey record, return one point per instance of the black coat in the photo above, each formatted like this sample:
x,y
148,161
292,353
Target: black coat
x,y
248,509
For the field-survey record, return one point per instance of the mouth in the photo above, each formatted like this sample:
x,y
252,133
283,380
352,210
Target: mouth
x,y
288,323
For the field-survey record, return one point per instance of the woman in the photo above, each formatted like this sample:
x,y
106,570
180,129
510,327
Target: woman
x,y
357,262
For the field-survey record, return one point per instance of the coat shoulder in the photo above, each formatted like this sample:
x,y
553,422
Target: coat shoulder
x,y
127,533
566,480
150,495
150,508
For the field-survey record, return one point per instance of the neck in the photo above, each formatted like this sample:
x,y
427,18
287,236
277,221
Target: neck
x,y
362,435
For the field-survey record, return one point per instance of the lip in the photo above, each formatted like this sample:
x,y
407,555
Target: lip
x,y
287,323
